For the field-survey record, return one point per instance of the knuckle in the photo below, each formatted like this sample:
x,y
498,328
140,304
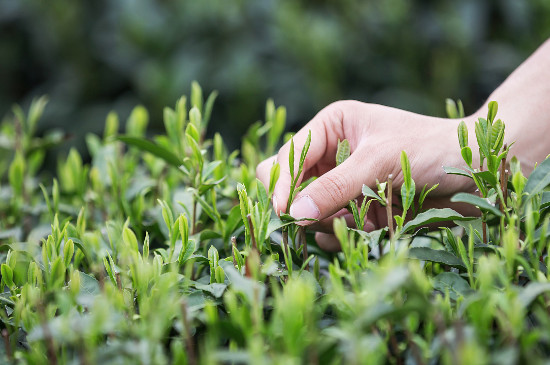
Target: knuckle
x,y
336,188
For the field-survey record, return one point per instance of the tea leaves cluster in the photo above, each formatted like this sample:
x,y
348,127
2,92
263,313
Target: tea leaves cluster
x,y
165,249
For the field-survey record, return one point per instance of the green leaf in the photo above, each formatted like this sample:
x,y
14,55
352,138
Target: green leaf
x,y
232,222
216,289
187,251
497,136
291,159
7,276
406,168
433,216
466,153
482,141
493,108
253,290
531,291
17,174
488,177
369,193
153,148
68,252
343,151
424,193
439,256
192,131
452,283
462,134
481,203
208,107
455,171
538,180
196,95
451,109
304,152
89,284
262,195
274,176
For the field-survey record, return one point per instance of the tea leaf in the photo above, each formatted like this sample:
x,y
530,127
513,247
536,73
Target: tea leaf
x,y
343,151
456,171
481,203
462,134
196,95
488,177
208,107
305,149
153,148
493,108
369,193
433,216
538,180
452,283
466,153
439,256
274,176
497,135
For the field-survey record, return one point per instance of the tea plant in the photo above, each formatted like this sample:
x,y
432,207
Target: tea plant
x,y
165,249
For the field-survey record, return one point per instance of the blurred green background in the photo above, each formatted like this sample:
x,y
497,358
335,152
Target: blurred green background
x,y
94,56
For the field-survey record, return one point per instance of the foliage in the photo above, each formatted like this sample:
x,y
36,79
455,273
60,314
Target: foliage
x,y
166,250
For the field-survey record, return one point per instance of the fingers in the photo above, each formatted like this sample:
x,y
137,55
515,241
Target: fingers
x,y
326,129
333,190
263,170
327,242
326,224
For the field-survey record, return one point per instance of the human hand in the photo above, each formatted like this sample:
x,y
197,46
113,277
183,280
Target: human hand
x,y
377,135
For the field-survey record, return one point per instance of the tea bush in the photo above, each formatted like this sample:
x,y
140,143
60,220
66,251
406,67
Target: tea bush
x,y
166,250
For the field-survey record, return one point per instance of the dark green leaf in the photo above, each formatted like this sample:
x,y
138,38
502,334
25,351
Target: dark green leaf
x,y
452,283
216,289
153,148
433,216
439,256
481,203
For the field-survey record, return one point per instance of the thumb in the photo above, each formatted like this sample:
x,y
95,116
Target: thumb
x,y
333,190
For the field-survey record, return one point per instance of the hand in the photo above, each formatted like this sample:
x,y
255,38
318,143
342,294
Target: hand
x,y
376,135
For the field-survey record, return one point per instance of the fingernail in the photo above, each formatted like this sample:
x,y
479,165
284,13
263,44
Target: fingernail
x,y
275,205
304,207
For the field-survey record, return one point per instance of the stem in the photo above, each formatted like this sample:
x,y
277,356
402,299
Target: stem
x,y
302,233
504,181
483,216
6,337
389,208
414,349
285,238
394,345
47,335
118,281
233,248
189,343
252,236
194,218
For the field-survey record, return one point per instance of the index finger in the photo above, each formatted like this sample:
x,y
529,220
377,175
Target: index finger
x,y
326,128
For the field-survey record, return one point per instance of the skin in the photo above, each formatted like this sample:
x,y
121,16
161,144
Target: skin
x,y
377,134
